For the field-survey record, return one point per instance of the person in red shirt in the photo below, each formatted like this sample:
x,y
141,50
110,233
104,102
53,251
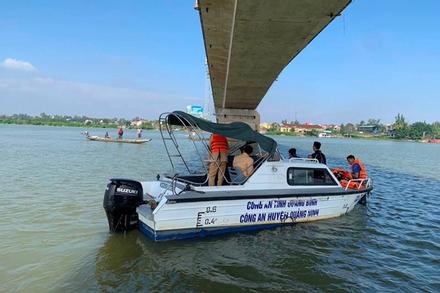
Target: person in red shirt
x,y
219,158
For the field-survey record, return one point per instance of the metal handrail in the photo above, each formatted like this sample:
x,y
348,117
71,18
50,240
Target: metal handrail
x,y
308,160
172,137
367,182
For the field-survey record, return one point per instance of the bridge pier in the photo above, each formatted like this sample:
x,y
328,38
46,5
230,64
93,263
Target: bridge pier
x,y
251,117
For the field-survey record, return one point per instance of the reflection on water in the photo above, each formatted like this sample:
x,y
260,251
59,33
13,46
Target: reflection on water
x,y
55,236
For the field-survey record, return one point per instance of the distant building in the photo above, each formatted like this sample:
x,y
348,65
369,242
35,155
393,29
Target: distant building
x,y
368,128
303,128
390,131
287,128
265,125
137,123
88,121
336,127
300,128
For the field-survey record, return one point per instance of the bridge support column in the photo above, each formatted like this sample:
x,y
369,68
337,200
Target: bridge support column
x,y
250,117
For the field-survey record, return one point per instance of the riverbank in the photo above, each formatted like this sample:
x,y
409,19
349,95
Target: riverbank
x,y
354,136
150,127
71,124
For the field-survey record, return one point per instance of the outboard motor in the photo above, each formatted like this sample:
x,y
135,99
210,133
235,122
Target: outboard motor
x,y
121,199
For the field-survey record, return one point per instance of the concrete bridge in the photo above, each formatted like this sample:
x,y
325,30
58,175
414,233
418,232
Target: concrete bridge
x,y
249,42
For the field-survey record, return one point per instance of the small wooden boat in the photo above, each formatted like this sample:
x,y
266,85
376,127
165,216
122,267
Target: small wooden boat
x,y
109,139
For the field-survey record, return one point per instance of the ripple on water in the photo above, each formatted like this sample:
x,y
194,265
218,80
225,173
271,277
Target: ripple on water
x,y
54,232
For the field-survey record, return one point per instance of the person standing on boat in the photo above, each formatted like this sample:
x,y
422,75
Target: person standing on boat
x,y
292,153
139,132
106,135
317,154
244,162
358,170
120,132
219,158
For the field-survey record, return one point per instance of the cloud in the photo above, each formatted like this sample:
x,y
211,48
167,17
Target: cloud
x,y
14,64
36,94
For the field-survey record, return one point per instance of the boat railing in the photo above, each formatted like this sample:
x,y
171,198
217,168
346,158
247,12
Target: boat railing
x,y
307,160
163,125
361,183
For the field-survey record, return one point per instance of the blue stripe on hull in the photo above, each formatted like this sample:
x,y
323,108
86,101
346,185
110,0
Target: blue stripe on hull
x,y
201,232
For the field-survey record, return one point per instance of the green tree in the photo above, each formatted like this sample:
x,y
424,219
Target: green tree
x,y
436,129
419,130
400,127
350,128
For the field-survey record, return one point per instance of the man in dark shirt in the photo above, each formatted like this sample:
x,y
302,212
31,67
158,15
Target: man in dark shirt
x,y
292,153
317,153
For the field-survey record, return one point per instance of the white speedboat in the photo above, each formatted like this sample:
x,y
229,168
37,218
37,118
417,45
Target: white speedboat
x,y
181,205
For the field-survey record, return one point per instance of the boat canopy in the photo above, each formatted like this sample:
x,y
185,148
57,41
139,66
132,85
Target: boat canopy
x,y
236,130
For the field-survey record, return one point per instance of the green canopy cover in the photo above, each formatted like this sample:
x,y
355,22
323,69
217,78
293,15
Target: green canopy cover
x,y
236,130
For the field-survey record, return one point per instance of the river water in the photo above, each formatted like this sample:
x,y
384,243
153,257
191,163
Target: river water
x,y
54,235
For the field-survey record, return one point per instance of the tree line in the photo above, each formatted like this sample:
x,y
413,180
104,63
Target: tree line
x,y
400,129
417,130
73,121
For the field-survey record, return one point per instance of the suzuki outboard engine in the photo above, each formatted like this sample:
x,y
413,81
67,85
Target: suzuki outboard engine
x,y
121,199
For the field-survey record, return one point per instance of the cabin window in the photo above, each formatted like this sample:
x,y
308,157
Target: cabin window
x,y
309,176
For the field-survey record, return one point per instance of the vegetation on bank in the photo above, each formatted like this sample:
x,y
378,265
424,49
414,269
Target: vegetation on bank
x,y
416,130
370,129
76,121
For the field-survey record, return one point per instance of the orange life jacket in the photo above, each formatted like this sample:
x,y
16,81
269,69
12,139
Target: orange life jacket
x,y
219,144
342,173
363,172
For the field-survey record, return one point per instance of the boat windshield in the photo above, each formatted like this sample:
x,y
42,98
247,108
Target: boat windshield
x,y
186,140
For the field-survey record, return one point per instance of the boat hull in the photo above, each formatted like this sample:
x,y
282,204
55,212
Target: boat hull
x,y
199,219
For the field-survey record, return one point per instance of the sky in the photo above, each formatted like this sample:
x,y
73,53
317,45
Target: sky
x,y
141,58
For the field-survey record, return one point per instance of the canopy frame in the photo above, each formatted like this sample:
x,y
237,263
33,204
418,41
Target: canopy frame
x,y
236,130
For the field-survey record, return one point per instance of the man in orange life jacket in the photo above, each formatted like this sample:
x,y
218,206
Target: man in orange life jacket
x,y
358,170
219,159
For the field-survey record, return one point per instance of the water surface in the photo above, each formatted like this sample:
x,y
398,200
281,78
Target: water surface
x,y
54,235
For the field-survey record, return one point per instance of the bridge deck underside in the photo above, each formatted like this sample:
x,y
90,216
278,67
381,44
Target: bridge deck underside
x,y
257,42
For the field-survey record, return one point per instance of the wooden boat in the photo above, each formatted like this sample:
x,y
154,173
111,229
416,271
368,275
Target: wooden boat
x,y
104,139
